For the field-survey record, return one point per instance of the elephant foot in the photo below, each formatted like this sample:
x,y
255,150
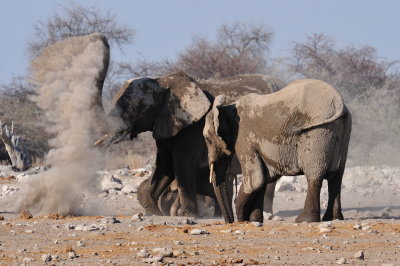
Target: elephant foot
x,y
308,218
336,216
256,216
187,213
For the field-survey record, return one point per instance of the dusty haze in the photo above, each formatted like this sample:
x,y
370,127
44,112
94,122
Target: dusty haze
x,y
66,77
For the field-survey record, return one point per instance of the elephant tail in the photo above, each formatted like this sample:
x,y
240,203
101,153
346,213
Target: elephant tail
x,y
344,145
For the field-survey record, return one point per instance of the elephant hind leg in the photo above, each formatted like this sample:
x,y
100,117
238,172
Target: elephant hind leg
x,y
312,209
334,209
269,197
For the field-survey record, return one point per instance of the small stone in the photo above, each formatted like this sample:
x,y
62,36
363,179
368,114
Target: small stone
x,y
189,221
357,226
24,250
267,216
257,224
359,255
226,231
277,218
325,230
46,257
140,228
1,218
143,254
198,232
109,220
80,244
29,231
28,260
345,242
137,217
26,214
72,255
341,261
238,232
154,259
178,243
277,258
178,252
326,225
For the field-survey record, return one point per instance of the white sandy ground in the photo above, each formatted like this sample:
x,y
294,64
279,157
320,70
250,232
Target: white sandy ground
x,y
370,198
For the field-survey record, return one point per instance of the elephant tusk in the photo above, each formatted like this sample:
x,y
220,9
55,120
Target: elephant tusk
x,y
211,172
100,140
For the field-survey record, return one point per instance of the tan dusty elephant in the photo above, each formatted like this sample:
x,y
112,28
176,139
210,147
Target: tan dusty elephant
x,y
302,129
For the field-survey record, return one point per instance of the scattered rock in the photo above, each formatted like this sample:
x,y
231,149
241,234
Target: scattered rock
x,y
325,230
341,261
46,257
257,224
357,226
238,232
109,220
267,216
137,217
198,232
72,255
80,244
359,255
26,214
143,253
277,218
28,260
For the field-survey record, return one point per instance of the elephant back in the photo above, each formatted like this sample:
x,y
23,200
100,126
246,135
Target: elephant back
x,y
236,86
301,105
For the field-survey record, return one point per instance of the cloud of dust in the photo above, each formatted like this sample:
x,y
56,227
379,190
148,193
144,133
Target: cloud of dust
x,y
375,136
67,76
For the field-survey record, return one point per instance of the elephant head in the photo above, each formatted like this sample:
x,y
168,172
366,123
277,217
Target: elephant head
x,y
164,105
220,132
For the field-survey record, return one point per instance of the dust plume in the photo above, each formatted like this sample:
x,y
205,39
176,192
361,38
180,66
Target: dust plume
x,y
69,76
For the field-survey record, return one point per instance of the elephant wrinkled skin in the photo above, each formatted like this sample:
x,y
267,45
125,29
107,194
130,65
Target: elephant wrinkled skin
x,y
190,156
302,129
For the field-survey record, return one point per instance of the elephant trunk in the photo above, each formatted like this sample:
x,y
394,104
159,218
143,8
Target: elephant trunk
x,y
221,192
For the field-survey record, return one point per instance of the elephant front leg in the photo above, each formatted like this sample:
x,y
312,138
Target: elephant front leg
x,y
250,200
312,209
151,189
185,177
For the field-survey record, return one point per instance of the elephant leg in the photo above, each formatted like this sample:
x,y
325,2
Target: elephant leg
x,y
151,189
256,210
334,209
166,201
312,209
250,200
185,176
269,197
217,210
175,211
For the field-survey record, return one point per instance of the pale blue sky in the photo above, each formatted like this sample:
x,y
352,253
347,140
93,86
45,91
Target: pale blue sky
x,y
164,28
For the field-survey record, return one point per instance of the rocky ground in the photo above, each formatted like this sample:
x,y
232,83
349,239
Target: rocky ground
x,y
118,235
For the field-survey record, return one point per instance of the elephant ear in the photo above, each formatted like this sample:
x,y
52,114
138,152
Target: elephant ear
x,y
184,104
217,147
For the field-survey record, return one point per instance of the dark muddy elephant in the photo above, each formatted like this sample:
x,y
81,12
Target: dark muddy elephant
x,y
302,129
149,192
